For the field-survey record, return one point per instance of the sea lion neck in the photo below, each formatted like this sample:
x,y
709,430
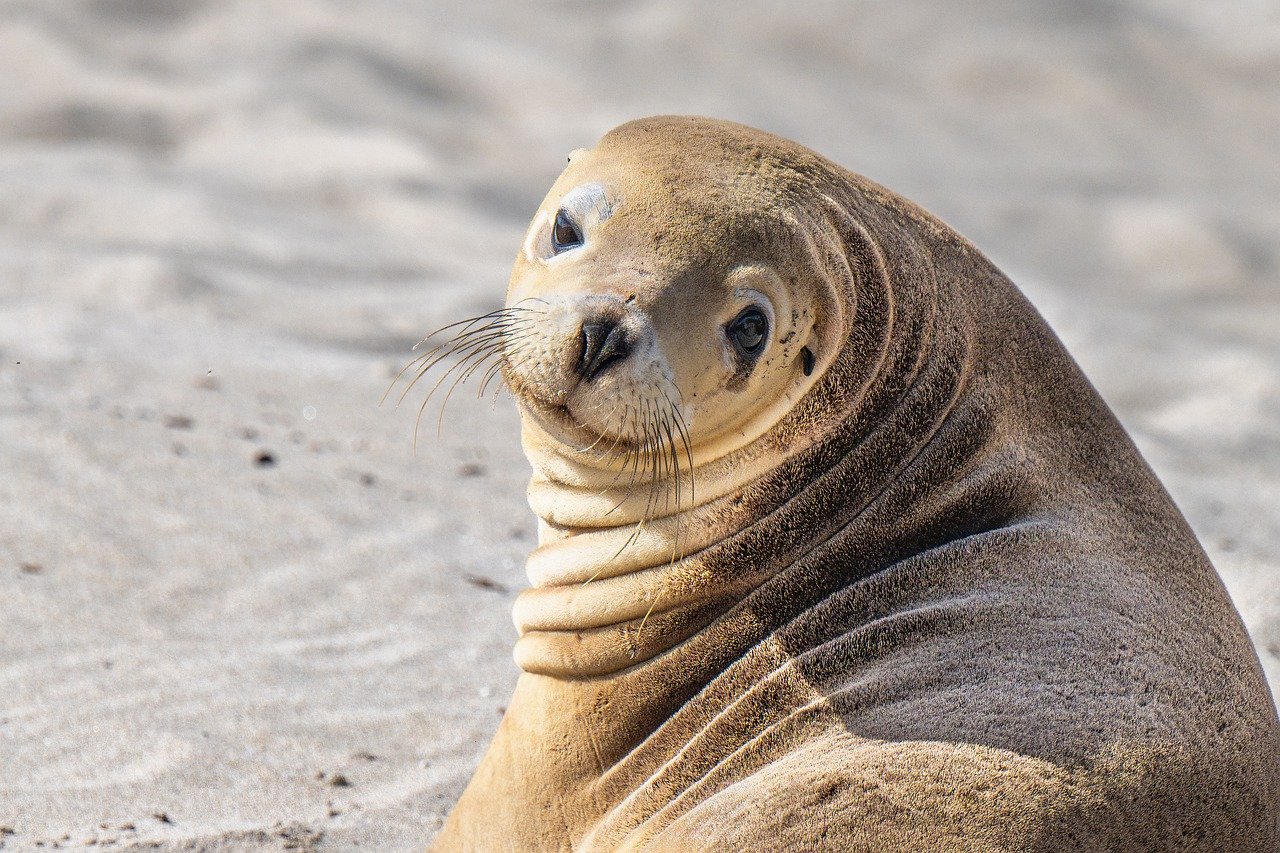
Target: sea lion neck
x,y
613,592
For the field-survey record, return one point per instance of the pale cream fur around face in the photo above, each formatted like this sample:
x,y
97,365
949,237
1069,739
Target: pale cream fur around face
x,y
675,310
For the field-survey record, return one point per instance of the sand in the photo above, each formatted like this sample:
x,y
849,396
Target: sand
x,y
237,611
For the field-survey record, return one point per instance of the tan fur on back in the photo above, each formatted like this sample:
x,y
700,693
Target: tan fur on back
x,y
928,598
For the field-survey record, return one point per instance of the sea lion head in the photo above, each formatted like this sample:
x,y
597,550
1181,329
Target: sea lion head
x,y
665,294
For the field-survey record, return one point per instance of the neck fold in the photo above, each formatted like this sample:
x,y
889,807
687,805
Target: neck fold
x,y
620,575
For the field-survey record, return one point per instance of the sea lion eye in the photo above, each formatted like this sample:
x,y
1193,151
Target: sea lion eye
x,y
565,234
748,331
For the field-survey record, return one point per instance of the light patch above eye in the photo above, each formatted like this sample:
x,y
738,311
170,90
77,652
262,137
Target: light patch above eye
x,y
587,201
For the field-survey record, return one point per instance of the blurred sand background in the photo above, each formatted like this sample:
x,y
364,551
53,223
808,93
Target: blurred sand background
x,y
236,611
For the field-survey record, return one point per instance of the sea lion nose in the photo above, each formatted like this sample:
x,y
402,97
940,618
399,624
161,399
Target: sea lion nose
x,y
603,343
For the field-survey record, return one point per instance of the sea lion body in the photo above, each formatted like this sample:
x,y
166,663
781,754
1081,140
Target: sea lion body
x,y
924,593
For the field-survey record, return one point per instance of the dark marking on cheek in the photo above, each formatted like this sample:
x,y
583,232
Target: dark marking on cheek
x,y
743,367
806,356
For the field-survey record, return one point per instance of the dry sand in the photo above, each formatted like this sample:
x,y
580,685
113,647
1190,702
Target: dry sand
x,y
236,611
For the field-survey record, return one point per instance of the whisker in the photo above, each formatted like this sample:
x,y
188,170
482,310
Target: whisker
x,y
491,331
645,620
511,342
474,342
603,434
402,372
673,461
471,321
462,352
683,428
635,535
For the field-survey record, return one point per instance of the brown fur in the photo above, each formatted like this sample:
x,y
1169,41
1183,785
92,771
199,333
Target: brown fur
x,y
940,603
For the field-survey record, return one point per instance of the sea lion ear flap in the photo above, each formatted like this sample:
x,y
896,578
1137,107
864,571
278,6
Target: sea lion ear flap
x,y
806,360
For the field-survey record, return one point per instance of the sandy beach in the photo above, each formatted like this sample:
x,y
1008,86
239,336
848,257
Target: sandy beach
x,y
238,611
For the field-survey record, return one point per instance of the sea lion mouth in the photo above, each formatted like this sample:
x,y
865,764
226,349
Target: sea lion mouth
x,y
648,426
556,420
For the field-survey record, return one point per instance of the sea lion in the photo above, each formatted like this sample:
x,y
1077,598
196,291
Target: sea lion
x,y
838,549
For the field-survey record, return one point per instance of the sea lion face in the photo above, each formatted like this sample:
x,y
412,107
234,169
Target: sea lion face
x,y
644,295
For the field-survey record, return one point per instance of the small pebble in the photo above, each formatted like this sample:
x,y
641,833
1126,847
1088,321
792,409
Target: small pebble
x,y
484,583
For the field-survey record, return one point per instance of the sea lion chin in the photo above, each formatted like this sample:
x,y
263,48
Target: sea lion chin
x,y
838,548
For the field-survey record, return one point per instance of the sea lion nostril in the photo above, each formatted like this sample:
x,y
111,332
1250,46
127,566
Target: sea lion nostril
x,y
603,342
